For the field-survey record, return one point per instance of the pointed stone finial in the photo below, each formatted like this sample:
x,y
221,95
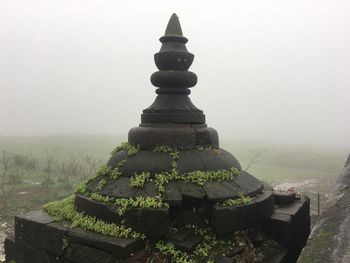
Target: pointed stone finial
x,y
173,32
173,81
174,27
173,56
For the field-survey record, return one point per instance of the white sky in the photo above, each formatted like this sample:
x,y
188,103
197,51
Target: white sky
x,y
268,70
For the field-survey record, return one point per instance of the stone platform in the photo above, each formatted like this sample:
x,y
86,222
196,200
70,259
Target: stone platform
x,y
40,239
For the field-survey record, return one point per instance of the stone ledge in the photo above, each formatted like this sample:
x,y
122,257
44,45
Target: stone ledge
x,y
227,219
39,239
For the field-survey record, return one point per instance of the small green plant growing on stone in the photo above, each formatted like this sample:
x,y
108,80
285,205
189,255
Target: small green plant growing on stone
x,y
139,202
161,180
202,250
131,149
82,187
241,200
163,149
100,198
104,170
138,180
175,155
201,177
64,210
176,256
101,184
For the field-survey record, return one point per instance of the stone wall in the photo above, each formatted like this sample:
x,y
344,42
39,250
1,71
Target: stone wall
x,y
330,238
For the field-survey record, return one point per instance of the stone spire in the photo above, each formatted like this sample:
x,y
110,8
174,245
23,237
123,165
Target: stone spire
x,y
173,81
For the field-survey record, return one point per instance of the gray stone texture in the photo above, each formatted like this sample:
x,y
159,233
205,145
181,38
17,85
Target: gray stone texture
x,y
38,239
329,241
290,226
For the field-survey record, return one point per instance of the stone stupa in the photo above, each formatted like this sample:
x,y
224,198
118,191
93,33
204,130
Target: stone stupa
x,y
171,174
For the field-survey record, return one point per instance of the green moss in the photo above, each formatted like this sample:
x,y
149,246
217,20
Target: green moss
x,y
100,198
101,184
176,256
175,155
138,180
107,171
241,200
201,177
161,180
131,149
139,202
204,252
104,171
163,149
197,177
65,210
82,187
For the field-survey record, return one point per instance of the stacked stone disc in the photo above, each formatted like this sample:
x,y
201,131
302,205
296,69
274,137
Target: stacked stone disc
x,y
175,158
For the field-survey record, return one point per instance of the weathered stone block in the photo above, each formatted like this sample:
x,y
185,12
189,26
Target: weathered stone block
x,y
264,204
284,198
207,137
38,230
148,190
28,254
227,219
103,211
152,162
192,194
172,194
181,235
220,191
290,226
117,157
279,227
118,247
191,215
80,253
154,222
123,189
188,244
10,248
250,185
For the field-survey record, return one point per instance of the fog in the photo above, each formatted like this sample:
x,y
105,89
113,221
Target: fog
x,y
276,71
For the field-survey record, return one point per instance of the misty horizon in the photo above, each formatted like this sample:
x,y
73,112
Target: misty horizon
x,y
272,71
